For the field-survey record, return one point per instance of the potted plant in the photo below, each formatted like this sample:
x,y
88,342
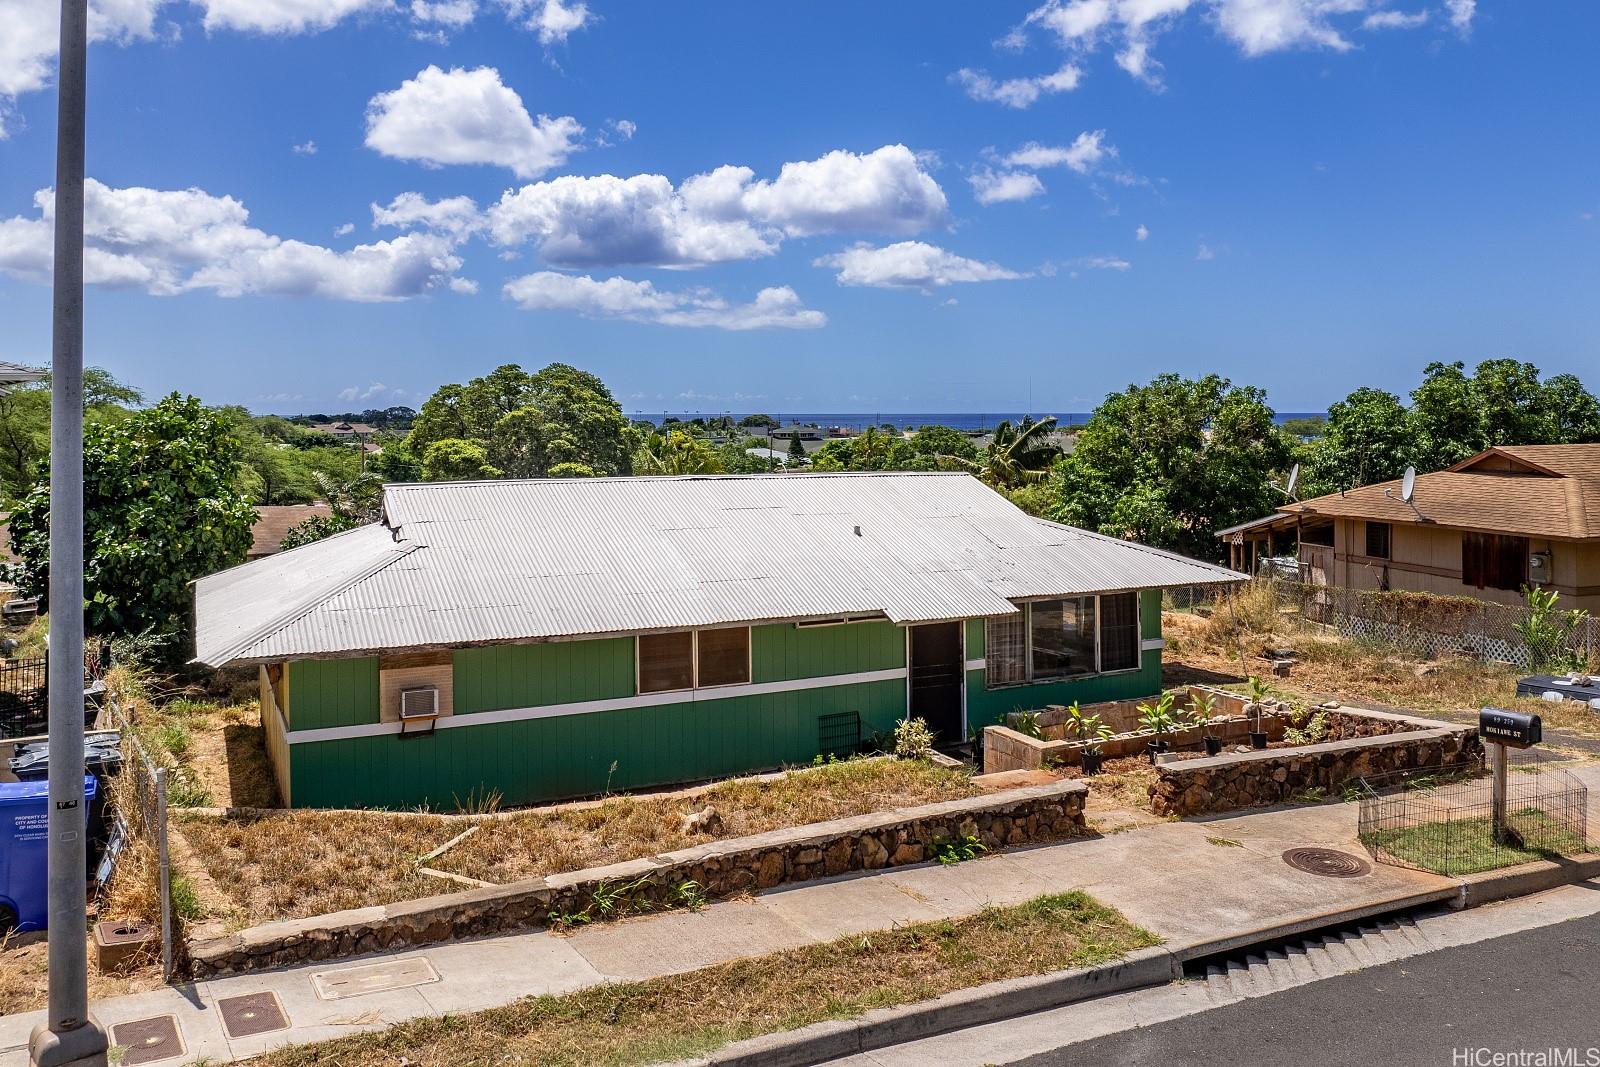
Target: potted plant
x,y
1088,728
1202,709
1159,720
1257,706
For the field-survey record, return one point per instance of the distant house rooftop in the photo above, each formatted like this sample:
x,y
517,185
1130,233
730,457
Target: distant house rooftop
x,y
345,429
275,521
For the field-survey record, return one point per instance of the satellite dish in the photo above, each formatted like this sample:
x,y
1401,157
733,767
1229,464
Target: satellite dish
x,y
1408,484
1294,480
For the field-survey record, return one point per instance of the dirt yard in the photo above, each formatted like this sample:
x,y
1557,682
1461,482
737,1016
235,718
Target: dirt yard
x,y
298,863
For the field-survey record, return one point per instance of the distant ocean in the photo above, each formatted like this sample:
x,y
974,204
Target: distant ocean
x,y
959,420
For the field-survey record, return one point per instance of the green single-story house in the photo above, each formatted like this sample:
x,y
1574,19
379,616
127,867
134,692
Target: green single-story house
x,y
562,637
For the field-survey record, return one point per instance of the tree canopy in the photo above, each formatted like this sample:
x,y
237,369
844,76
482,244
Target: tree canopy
x,y
1371,436
559,422
162,507
25,423
1171,462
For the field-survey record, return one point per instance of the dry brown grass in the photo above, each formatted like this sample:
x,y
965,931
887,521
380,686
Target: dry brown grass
x,y
686,1015
303,863
1353,671
24,976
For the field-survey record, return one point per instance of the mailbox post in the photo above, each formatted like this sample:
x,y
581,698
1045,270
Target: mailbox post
x,y
1502,729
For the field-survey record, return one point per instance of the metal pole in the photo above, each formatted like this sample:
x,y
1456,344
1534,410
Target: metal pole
x,y
68,1035
1497,763
164,867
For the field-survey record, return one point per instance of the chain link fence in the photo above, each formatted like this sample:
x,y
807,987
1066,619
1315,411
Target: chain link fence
x,y
1445,822
141,797
1434,627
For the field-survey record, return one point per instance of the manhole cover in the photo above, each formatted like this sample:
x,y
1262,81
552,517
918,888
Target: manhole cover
x,y
257,1013
373,978
148,1040
1327,862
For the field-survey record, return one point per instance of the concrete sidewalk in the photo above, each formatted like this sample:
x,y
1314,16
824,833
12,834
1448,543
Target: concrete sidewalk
x,y
1194,892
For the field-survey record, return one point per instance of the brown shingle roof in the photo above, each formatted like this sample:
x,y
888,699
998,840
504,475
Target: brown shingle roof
x,y
1564,504
273,522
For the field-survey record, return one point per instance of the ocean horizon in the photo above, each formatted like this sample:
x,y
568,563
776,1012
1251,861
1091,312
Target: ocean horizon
x,y
958,420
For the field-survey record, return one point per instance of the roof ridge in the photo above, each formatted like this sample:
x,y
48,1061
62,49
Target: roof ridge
x,y
613,479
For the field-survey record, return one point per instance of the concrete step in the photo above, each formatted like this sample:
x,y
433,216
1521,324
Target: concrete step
x,y
1340,955
1282,974
1217,984
1239,980
1321,960
1413,935
1261,974
1300,963
1364,944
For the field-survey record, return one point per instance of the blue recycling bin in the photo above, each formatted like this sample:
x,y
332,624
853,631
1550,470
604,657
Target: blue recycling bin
x,y
24,850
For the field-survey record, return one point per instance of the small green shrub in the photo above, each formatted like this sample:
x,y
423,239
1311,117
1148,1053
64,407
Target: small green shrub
x,y
954,850
913,739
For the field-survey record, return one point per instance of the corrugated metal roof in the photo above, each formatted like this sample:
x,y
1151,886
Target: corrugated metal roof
x,y
474,562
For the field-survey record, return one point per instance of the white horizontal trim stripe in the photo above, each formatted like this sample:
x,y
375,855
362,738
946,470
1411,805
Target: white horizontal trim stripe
x,y
1152,644
589,707
977,664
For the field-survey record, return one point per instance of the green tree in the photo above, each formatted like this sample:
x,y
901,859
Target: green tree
x,y
1571,412
162,507
315,529
1444,419
25,423
528,425
1368,438
1171,462
455,459
797,452
675,452
1016,455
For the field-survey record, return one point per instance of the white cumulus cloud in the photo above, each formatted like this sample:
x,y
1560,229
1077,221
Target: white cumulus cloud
x,y
284,16
455,216
467,116
996,187
30,32
724,215
1084,154
1017,92
555,20
910,265
1394,20
167,242
1461,13
1142,233
779,307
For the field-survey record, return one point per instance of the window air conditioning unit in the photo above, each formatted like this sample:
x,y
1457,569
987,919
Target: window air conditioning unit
x,y
419,703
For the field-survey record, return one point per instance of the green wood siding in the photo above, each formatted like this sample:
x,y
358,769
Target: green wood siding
x,y
785,651
571,755
533,676
987,706
332,692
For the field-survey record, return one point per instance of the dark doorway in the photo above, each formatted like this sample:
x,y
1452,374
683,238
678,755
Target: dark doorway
x,y
938,671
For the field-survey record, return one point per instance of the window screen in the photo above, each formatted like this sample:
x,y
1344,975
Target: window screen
x,y
1119,632
1378,540
1062,637
1005,645
666,662
724,656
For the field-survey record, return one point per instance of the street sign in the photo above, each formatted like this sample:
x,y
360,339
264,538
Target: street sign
x,y
1514,729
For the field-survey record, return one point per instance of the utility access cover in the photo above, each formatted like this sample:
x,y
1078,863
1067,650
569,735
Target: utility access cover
x,y
1327,862
373,978
255,1013
148,1040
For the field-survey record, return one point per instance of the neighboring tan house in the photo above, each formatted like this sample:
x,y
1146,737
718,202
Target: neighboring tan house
x,y
275,520
563,637
1509,517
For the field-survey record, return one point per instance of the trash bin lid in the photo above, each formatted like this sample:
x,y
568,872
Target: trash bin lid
x,y
29,792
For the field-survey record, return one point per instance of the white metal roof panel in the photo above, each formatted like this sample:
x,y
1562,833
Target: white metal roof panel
x,y
480,562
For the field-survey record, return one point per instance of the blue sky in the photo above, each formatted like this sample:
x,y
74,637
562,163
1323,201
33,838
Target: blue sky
x,y
940,208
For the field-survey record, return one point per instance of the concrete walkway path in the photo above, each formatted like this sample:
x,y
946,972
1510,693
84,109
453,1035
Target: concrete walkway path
x,y
1194,883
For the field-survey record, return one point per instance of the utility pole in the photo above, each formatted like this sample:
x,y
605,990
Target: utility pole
x,y
68,1037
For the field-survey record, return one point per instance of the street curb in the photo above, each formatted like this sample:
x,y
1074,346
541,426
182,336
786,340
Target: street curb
x,y
1474,890
958,1010
1336,917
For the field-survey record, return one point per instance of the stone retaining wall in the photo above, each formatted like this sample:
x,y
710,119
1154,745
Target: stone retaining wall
x,y
720,868
1369,743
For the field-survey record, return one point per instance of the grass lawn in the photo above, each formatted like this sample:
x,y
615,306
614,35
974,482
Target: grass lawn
x,y
299,863
690,1014
1467,846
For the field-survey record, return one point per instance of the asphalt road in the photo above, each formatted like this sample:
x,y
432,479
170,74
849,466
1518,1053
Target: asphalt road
x,y
1535,990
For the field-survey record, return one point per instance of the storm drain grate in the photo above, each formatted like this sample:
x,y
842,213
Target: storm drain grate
x,y
255,1013
148,1040
1327,862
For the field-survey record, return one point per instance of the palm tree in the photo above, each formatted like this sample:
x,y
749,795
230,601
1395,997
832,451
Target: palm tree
x,y
1018,455
675,452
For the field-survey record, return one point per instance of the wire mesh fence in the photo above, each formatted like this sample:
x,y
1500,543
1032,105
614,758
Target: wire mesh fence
x,y
1448,822
141,797
25,690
